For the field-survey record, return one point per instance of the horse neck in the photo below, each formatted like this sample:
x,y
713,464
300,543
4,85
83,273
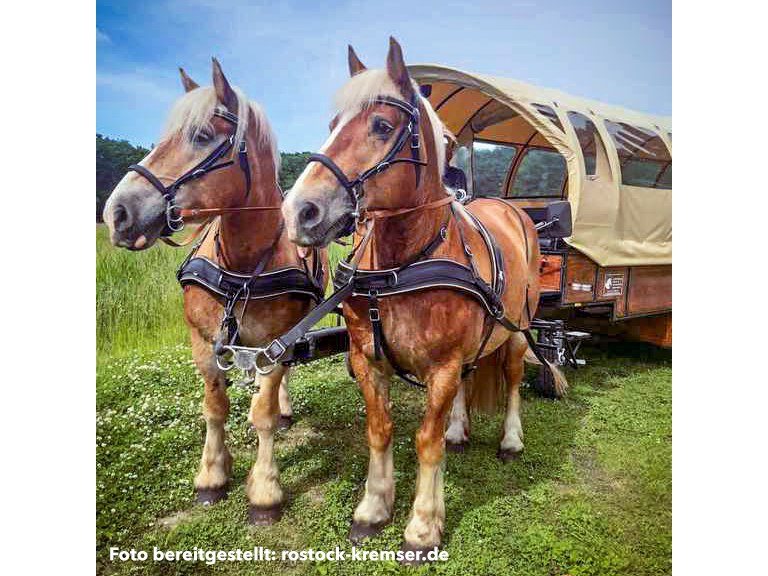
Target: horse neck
x,y
244,236
397,239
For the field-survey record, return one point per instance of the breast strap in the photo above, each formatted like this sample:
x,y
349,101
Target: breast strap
x,y
434,273
203,272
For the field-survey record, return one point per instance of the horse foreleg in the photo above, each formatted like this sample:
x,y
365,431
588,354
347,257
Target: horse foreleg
x,y
265,495
286,410
212,480
512,441
457,435
425,527
375,509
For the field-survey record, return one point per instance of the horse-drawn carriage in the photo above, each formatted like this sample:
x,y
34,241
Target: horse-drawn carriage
x,y
606,255
613,273
433,290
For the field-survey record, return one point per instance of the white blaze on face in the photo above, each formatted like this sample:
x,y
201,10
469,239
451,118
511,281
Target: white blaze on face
x,y
295,196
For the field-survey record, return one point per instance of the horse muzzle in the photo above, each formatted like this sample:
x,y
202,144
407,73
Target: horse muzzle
x,y
133,222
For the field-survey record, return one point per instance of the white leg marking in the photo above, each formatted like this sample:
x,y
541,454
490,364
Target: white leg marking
x,y
216,463
285,400
263,487
428,515
458,423
376,505
513,428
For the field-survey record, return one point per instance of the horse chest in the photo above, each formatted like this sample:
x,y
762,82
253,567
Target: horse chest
x,y
418,327
262,321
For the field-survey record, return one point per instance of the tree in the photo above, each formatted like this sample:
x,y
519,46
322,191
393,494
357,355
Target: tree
x,y
112,160
114,156
291,165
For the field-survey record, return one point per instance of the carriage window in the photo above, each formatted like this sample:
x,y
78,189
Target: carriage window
x,y
549,113
665,178
587,135
644,158
541,174
490,164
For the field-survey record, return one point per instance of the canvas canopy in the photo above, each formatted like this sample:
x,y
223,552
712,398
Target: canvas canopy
x,y
618,161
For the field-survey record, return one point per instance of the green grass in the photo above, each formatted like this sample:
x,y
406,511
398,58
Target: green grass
x,y
591,494
138,300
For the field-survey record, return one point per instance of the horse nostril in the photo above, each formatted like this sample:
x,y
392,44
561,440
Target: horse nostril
x,y
309,214
121,218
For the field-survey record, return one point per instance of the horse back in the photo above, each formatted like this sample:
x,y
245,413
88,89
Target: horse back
x,y
514,232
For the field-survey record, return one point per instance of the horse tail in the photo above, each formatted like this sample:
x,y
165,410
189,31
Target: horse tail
x,y
561,384
486,387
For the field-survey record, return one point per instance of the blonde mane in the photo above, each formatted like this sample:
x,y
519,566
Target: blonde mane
x,y
193,112
360,91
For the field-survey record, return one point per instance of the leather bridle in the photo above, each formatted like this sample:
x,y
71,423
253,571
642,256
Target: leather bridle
x,y
410,130
174,216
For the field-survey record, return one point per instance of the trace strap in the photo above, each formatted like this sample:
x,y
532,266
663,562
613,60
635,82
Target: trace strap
x,y
279,346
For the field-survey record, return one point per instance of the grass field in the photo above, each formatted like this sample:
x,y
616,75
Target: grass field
x,y
591,495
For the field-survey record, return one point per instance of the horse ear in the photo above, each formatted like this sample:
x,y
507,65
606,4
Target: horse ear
x,y
224,91
355,66
187,82
397,70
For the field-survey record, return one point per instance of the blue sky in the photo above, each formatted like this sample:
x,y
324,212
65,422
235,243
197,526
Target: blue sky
x,y
291,56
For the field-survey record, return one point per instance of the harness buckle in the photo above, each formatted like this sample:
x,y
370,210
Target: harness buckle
x,y
243,147
374,315
382,166
274,351
198,173
444,232
415,140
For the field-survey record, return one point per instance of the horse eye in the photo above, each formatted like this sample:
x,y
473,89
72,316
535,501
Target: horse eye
x,y
203,138
382,127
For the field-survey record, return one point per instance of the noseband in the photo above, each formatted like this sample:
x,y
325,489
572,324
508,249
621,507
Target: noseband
x,y
174,220
410,130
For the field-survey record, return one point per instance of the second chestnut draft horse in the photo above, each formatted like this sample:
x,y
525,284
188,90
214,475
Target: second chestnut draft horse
x,y
381,167
245,282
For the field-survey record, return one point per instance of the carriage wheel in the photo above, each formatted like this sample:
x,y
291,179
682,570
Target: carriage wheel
x,y
544,384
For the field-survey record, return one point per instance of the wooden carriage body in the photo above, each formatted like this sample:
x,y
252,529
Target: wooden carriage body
x,y
613,274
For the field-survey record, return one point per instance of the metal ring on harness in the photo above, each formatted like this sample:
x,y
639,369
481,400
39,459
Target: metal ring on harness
x,y
226,365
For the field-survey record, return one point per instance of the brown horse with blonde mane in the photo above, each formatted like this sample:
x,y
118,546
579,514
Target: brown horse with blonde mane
x,y
402,212
218,157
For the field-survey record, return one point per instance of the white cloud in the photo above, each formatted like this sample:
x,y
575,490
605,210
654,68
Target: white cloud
x,y
138,84
102,38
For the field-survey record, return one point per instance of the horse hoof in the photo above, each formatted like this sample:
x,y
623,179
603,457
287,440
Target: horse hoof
x,y
208,496
284,422
418,556
359,531
456,447
264,516
507,455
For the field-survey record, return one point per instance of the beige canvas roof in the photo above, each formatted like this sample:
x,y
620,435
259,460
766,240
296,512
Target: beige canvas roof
x,y
614,223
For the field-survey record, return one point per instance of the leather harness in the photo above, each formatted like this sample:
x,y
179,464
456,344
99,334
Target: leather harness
x,y
233,287
236,287
419,273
